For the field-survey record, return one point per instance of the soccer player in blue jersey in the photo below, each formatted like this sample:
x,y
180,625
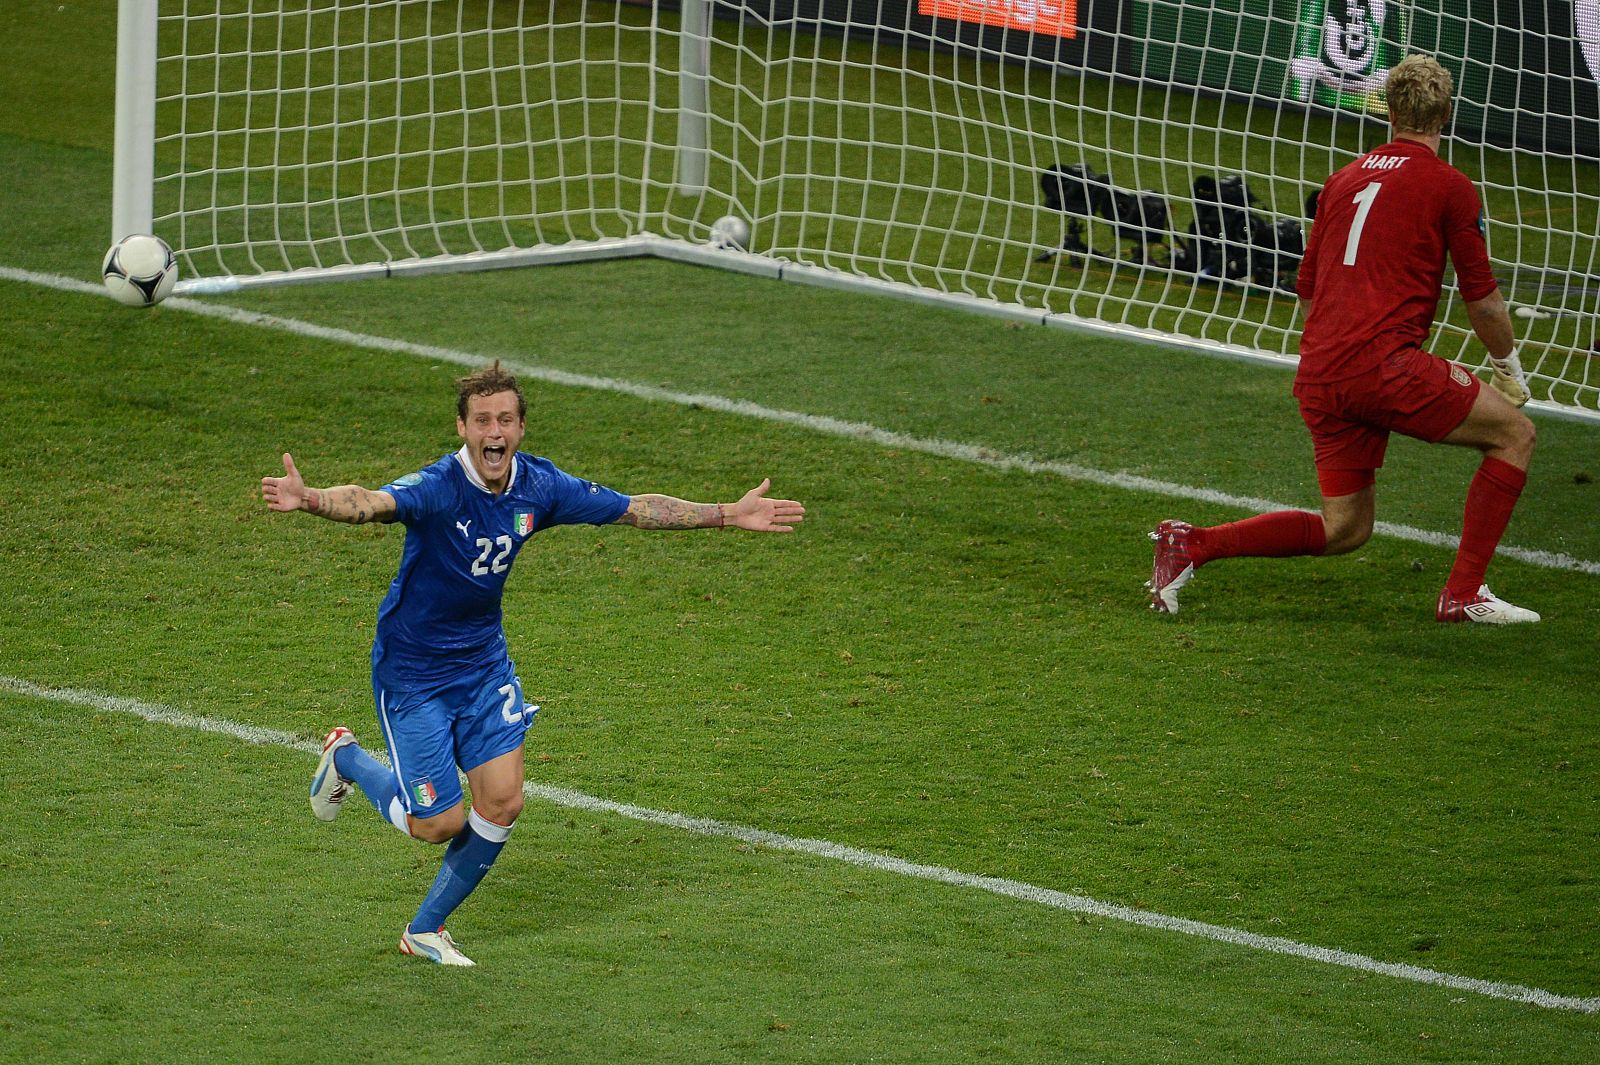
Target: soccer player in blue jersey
x,y
447,693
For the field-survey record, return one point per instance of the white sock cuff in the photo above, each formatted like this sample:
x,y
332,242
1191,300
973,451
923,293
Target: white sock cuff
x,y
397,816
486,828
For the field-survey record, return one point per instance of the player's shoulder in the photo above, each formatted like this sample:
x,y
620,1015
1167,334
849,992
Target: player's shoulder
x,y
1452,186
541,479
535,474
1421,159
536,468
1438,164
529,461
433,487
446,468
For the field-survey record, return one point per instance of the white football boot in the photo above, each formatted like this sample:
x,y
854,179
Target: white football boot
x,y
328,788
435,946
1484,607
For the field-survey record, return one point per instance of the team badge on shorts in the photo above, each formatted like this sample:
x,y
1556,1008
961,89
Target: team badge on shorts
x,y
524,522
1459,376
426,795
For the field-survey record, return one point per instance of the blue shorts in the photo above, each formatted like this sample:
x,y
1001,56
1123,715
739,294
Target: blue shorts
x,y
432,733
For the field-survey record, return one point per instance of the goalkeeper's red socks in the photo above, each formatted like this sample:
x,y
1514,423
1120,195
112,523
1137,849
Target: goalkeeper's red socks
x,y
1491,497
1280,534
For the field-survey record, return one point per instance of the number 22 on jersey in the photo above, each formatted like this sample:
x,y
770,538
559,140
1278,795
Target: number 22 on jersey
x,y
481,566
1364,199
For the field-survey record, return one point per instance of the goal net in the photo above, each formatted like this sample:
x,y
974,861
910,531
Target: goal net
x,y
1138,166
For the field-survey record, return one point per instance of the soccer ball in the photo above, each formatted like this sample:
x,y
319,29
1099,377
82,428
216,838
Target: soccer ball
x,y
731,232
140,270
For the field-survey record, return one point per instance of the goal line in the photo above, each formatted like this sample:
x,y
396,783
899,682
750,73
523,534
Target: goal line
x,y
1141,165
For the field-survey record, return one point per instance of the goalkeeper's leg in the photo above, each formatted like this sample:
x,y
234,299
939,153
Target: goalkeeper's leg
x,y
1180,548
1348,509
1278,534
1506,437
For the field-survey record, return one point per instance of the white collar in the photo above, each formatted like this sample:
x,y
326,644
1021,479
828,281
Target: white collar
x,y
465,459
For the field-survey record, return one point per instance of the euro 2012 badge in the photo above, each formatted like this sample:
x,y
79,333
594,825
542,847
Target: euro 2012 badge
x,y
1344,49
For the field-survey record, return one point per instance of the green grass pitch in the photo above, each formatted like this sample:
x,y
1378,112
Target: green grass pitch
x,y
949,664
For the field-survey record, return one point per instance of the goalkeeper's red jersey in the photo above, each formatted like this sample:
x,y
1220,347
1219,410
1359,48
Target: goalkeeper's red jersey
x,y
1374,265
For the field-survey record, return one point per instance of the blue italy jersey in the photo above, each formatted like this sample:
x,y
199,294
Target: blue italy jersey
x,y
442,613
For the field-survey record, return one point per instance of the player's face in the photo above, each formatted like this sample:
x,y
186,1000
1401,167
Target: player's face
x,y
493,432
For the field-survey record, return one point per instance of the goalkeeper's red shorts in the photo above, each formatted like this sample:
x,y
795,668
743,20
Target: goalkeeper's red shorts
x,y
1409,392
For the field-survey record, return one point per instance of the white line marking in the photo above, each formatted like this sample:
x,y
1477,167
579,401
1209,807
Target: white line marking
x,y
822,848
817,423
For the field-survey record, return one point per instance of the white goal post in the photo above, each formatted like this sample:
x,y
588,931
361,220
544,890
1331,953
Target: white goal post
x,y
1135,166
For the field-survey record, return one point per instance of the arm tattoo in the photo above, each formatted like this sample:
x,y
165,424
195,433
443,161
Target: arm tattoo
x,y
355,510
665,512
349,503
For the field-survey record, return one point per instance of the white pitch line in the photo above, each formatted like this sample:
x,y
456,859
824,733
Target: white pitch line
x,y
821,848
949,449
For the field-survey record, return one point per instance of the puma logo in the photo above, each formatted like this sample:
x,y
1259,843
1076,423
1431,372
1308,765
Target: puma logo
x,y
463,527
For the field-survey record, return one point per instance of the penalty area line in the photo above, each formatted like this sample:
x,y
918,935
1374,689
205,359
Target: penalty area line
x,y
885,863
817,423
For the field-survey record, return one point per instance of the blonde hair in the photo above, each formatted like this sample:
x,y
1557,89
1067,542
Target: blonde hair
x,y
1418,90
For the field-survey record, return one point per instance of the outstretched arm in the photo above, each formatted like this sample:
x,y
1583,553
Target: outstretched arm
x,y
755,512
349,503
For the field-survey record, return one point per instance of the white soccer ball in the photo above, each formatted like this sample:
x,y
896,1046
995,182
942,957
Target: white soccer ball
x,y
730,231
140,270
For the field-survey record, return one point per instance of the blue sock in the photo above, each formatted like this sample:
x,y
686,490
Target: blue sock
x,y
465,861
375,779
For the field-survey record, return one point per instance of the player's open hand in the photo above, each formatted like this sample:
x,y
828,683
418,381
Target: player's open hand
x,y
287,492
756,513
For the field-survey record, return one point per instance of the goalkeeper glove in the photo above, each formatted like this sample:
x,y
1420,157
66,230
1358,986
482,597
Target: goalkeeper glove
x,y
1508,379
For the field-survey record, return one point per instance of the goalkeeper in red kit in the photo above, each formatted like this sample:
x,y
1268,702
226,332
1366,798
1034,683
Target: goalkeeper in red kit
x,y
1369,285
